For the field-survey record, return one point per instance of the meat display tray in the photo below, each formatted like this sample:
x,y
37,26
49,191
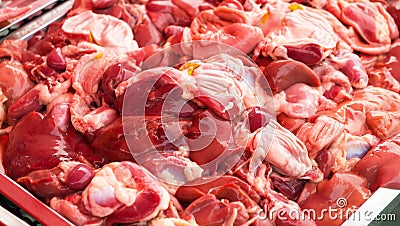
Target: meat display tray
x,y
25,200
382,201
42,13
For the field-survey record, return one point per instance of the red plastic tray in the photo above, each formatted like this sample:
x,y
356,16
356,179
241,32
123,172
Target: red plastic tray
x,y
29,203
24,199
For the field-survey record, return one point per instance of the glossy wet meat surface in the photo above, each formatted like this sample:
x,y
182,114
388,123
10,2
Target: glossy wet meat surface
x,y
163,112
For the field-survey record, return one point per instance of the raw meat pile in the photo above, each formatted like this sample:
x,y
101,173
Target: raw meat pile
x,y
131,112
10,13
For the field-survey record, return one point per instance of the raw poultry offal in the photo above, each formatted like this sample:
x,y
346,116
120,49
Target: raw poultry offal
x,y
129,112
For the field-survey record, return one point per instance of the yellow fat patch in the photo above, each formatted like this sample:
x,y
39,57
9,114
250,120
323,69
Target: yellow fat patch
x,y
295,6
264,19
98,56
91,39
189,67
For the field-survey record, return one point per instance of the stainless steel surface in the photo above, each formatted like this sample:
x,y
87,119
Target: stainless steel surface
x,y
37,8
41,22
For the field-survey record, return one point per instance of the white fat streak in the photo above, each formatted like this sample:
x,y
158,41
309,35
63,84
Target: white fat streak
x,y
172,222
192,172
104,177
123,194
45,97
289,154
231,220
189,88
169,176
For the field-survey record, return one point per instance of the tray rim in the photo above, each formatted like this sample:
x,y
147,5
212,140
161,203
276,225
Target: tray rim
x,y
42,4
29,203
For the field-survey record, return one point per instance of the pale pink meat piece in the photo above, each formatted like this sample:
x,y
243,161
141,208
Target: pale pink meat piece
x,y
231,12
351,37
81,48
336,85
384,71
383,124
242,36
69,208
88,72
319,134
259,177
284,151
329,74
364,100
124,192
14,80
13,48
370,116
104,30
221,25
298,101
382,77
350,65
173,34
191,8
371,21
224,212
297,32
90,68
9,13
145,31
172,12
348,149
86,120
375,98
